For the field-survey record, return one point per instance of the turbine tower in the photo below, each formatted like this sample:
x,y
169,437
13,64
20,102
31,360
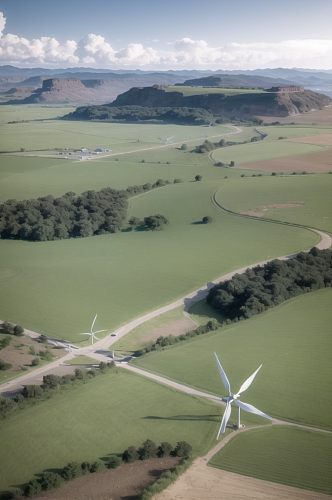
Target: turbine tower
x,y
234,398
93,333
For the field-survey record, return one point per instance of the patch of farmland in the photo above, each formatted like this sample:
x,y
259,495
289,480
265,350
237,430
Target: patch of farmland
x,y
299,199
290,456
291,341
317,117
125,275
319,140
319,162
262,151
102,417
200,481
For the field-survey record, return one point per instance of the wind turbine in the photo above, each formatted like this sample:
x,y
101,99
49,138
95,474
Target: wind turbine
x,y
93,333
169,141
234,398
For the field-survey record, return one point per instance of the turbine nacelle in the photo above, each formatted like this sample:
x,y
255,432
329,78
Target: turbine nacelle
x,y
92,334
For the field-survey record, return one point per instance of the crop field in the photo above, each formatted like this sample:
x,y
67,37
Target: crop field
x,y
211,90
263,151
295,457
294,131
101,418
64,283
292,341
30,112
274,196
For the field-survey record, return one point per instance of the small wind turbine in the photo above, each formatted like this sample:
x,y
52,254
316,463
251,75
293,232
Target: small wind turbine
x,y
93,333
169,140
234,397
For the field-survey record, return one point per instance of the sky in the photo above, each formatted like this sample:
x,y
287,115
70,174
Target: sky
x,y
170,35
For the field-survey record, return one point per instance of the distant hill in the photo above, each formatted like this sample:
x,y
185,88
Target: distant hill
x,y
239,106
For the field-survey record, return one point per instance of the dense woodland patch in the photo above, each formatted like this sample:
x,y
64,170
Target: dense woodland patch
x,y
263,287
183,115
70,216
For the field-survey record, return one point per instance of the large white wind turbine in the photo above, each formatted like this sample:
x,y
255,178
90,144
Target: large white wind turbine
x,y
93,333
234,398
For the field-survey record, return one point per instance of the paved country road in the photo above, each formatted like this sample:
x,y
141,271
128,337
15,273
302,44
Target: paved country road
x,y
99,350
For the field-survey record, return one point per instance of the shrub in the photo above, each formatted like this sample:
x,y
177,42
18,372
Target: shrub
x,y
102,366
33,488
114,462
32,391
273,173
177,181
182,449
184,147
4,366
164,450
97,466
71,471
80,374
7,328
207,219
85,466
130,455
18,330
35,362
232,163
147,450
198,178
50,480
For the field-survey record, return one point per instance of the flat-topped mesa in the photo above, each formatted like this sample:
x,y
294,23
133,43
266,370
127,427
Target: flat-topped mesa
x,y
278,104
58,84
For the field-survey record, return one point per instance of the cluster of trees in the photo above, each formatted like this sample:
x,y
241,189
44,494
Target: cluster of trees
x,y
162,342
52,384
70,216
11,329
250,121
208,146
50,218
150,223
263,287
181,115
74,470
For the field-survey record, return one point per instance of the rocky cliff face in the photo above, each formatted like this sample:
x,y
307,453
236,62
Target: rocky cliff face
x,y
241,106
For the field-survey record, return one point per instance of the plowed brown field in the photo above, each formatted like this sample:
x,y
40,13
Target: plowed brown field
x,y
318,140
318,162
126,482
202,482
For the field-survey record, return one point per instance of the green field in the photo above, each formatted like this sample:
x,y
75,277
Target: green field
x,y
313,190
103,417
292,341
63,284
295,457
211,90
263,151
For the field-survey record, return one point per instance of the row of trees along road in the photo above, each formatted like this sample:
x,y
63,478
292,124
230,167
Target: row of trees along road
x,y
263,287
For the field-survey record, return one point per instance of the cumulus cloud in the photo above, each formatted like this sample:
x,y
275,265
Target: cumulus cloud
x,y
95,50
42,50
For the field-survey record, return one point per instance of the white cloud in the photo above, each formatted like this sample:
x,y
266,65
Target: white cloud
x,y
185,53
41,50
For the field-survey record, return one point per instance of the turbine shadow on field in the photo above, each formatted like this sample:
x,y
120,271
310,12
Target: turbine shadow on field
x,y
197,223
208,418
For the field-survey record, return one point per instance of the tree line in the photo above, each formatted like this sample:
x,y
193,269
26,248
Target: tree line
x,y
70,216
263,287
181,115
74,470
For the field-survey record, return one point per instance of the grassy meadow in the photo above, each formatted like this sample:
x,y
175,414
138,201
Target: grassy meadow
x,y
64,283
101,418
294,457
313,190
292,341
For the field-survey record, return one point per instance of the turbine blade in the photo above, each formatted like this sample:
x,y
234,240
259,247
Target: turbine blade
x,y
225,419
247,383
93,323
97,338
250,409
84,333
223,375
100,331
